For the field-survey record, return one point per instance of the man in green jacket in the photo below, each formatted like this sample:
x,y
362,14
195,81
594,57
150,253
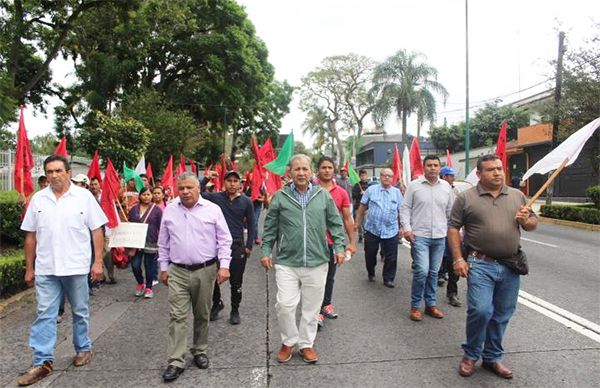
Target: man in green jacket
x,y
298,217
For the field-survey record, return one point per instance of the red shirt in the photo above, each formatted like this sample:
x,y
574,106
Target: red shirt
x,y
341,200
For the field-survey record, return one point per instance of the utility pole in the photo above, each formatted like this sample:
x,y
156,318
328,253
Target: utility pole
x,y
556,118
467,121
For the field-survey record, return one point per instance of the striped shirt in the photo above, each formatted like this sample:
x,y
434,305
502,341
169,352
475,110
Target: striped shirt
x,y
300,196
384,208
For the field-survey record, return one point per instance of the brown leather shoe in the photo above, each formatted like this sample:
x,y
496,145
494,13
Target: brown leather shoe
x,y
82,358
416,314
309,355
466,367
433,311
498,369
35,374
285,353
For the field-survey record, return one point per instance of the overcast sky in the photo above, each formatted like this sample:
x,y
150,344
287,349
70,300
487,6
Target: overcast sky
x,y
510,43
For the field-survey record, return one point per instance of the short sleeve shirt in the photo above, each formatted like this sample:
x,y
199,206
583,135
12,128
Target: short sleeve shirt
x,y
62,230
384,209
341,199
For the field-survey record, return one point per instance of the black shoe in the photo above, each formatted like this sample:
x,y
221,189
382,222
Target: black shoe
x,y
201,361
172,373
389,284
441,282
454,301
234,317
214,311
371,278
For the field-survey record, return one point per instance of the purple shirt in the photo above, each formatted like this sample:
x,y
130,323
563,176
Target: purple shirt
x,y
193,236
153,220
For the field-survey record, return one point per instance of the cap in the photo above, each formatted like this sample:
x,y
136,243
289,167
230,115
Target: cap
x,y
447,171
81,178
230,173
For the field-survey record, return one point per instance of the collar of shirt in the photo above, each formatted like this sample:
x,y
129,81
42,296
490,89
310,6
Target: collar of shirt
x,y
481,191
422,179
295,190
50,194
201,201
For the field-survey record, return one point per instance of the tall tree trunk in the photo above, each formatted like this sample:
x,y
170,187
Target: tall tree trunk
x,y
15,52
404,124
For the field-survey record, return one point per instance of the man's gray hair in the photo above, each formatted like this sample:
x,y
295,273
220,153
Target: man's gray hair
x,y
300,156
188,175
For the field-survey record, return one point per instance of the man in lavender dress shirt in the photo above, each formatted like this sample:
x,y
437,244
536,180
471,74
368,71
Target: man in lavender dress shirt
x,y
193,236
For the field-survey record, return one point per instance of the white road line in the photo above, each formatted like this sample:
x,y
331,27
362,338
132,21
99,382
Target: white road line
x,y
568,319
539,242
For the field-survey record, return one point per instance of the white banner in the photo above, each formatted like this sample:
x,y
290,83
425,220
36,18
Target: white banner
x,y
129,235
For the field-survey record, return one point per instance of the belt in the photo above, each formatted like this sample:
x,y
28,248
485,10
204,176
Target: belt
x,y
482,256
193,267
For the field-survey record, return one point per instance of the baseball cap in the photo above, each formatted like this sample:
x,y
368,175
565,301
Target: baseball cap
x,y
230,173
81,178
447,171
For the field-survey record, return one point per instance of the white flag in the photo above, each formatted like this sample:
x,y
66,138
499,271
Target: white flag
x,y
406,166
472,178
141,166
569,148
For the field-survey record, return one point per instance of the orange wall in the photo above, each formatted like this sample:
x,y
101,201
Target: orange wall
x,y
534,134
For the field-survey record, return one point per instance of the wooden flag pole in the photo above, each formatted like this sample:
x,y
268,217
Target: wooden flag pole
x,y
548,183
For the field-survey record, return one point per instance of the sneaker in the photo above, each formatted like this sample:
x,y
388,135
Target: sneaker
x,y
154,283
257,241
139,290
320,321
329,312
59,318
441,282
148,294
234,317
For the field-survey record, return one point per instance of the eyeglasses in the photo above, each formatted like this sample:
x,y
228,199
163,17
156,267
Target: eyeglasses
x,y
386,175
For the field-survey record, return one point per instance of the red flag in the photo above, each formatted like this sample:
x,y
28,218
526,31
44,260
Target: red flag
x,y
94,170
194,167
110,190
267,154
181,168
233,166
167,177
149,172
23,160
256,182
207,170
416,163
396,165
221,171
61,149
448,158
501,145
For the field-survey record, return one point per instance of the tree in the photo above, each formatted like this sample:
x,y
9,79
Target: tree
x,y
405,83
44,144
8,140
122,139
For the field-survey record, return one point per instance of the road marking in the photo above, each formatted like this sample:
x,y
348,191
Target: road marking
x,y
570,320
539,242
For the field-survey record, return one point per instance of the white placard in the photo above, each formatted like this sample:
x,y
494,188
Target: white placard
x,y
129,235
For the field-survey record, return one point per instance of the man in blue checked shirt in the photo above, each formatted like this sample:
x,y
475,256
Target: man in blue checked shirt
x,y
382,225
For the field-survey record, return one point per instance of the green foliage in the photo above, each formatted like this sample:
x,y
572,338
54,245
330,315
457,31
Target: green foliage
x,y
44,144
593,192
12,273
10,219
405,83
580,213
8,140
122,139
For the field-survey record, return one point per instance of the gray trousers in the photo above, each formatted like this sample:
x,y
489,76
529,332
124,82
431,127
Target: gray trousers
x,y
189,290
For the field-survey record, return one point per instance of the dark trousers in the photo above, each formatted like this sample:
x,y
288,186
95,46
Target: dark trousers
x,y
452,286
390,251
149,260
330,278
236,275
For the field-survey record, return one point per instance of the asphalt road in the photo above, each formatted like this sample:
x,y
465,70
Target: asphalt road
x,y
371,344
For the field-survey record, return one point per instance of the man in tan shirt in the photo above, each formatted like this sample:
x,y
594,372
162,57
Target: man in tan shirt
x,y
492,215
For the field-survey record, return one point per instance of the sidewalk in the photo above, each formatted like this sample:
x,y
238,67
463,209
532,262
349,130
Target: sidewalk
x,y
371,344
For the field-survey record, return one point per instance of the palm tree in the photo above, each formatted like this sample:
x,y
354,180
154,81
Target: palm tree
x,y
404,83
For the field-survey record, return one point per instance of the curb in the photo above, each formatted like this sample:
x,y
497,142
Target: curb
x,y
7,305
572,224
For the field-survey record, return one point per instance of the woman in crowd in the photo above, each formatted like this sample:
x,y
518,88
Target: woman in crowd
x,y
158,197
146,212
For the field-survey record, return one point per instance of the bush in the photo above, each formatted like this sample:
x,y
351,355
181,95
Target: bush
x,y
10,218
581,213
593,192
12,274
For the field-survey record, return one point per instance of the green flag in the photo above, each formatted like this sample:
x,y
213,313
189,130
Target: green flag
x,y
279,165
131,174
352,175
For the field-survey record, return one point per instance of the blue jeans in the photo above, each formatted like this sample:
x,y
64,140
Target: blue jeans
x,y
149,260
492,295
427,256
257,210
49,291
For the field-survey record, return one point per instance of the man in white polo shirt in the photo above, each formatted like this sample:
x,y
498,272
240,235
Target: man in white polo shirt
x,y
57,228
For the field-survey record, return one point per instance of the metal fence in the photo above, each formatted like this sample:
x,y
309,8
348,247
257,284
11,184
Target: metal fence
x,y
7,166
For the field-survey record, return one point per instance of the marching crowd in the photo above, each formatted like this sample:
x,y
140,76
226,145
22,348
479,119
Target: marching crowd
x,y
202,238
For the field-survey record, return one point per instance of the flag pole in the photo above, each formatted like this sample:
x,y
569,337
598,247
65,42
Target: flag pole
x,y
548,182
